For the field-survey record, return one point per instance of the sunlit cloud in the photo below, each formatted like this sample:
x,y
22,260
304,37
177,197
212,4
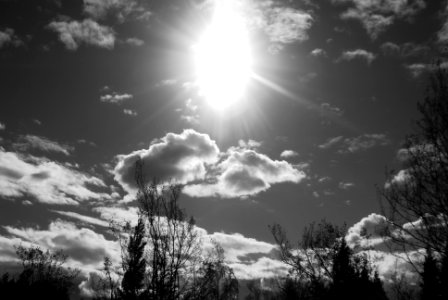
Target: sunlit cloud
x,y
288,154
362,54
45,181
74,33
192,157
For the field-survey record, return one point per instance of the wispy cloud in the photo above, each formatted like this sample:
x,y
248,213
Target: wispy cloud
x,y
74,33
45,181
356,144
28,142
122,10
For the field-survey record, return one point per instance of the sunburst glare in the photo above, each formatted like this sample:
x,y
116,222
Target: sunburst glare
x,y
223,58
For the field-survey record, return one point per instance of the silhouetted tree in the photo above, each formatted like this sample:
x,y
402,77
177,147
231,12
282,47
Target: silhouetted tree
x,y
173,242
324,267
415,200
134,264
214,279
430,278
43,277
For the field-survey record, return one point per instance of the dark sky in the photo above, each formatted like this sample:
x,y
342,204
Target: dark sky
x,y
87,87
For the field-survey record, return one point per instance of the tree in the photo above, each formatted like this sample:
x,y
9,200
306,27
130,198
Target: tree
x,y
43,271
415,200
171,237
430,278
134,264
324,267
214,280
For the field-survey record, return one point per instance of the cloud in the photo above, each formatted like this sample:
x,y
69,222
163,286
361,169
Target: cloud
x,y
28,142
263,267
135,42
244,173
356,144
130,112
349,55
405,50
286,25
74,33
9,38
368,232
86,249
346,185
115,98
179,157
377,15
240,248
120,9
250,144
331,142
364,142
45,181
328,110
84,219
116,213
281,24
318,52
442,34
417,69
194,159
288,154
250,258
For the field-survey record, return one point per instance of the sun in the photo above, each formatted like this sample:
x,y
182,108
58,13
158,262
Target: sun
x,y
223,58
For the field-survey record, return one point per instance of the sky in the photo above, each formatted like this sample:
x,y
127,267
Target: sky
x,y
267,111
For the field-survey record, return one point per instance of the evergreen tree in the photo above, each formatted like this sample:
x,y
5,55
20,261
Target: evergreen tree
x,y
430,288
134,264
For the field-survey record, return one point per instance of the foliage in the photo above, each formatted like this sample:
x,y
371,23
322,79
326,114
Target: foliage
x,y
322,266
43,271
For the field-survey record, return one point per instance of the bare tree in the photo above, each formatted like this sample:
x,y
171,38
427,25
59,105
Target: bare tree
x,y
214,279
322,265
415,199
172,241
